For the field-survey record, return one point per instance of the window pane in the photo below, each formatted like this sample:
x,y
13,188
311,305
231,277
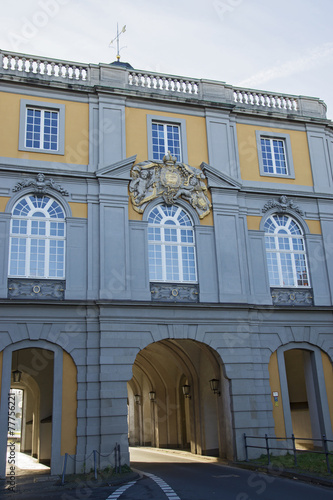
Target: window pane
x,y
174,258
287,270
165,137
155,262
37,242
171,263
17,257
189,273
286,257
42,129
37,258
273,156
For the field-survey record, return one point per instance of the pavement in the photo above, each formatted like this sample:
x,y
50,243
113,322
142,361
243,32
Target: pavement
x,y
39,479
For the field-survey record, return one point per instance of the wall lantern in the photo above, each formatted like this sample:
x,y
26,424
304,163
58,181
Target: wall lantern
x,y
152,396
214,385
186,391
137,398
16,376
16,373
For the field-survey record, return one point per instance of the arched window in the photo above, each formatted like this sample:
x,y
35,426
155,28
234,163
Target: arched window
x,y
37,238
171,245
285,250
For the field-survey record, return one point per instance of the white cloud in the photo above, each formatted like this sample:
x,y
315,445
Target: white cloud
x,y
316,57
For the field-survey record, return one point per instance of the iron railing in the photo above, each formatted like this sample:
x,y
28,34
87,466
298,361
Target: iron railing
x,y
268,447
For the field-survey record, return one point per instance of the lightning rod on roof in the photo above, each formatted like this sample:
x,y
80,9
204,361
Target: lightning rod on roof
x,y
117,38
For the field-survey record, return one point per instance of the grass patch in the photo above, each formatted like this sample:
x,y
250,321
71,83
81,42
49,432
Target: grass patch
x,y
107,474
307,462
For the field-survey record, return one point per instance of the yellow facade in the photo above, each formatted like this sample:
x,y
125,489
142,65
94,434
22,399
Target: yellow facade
x,y
137,143
69,406
253,224
328,374
274,379
79,210
76,130
249,162
137,139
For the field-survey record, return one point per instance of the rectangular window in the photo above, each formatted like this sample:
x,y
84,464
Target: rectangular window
x,y
42,127
165,137
166,134
274,154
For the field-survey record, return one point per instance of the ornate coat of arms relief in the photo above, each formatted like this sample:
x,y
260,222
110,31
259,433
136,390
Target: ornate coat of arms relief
x,y
171,180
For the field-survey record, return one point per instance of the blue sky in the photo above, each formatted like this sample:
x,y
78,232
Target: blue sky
x,y
280,46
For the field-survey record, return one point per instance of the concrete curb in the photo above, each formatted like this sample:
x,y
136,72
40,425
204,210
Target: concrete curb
x,y
287,473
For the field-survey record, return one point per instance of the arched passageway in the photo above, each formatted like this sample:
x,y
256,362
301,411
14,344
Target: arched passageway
x,y
46,376
301,378
171,403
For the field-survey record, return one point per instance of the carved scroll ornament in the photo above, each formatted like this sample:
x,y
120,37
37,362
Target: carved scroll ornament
x,y
170,180
282,205
39,185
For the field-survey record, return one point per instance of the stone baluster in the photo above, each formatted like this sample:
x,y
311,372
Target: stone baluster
x,y
24,62
53,64
66,71
145,80
30,68
17,63
38,65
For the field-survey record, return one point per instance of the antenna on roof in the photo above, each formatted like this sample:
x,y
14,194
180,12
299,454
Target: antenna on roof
x,y
117,38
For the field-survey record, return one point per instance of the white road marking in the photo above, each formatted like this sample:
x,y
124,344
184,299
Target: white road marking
x,y
116,494
169,492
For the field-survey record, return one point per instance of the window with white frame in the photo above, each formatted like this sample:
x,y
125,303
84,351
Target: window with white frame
x,y
42,127
166,134
274,152
171,245
273,156
165,137
37,238
285,251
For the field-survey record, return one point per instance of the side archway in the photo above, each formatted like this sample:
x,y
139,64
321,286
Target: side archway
x,y
49,377
301,378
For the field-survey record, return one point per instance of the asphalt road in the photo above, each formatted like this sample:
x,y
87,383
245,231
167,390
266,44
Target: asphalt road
x,y
180,476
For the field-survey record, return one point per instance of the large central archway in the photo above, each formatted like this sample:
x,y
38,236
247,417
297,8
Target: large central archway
x,y
161,415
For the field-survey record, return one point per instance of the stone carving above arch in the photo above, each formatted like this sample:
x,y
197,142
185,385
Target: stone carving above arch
x,y
40,185
282,205
172,181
